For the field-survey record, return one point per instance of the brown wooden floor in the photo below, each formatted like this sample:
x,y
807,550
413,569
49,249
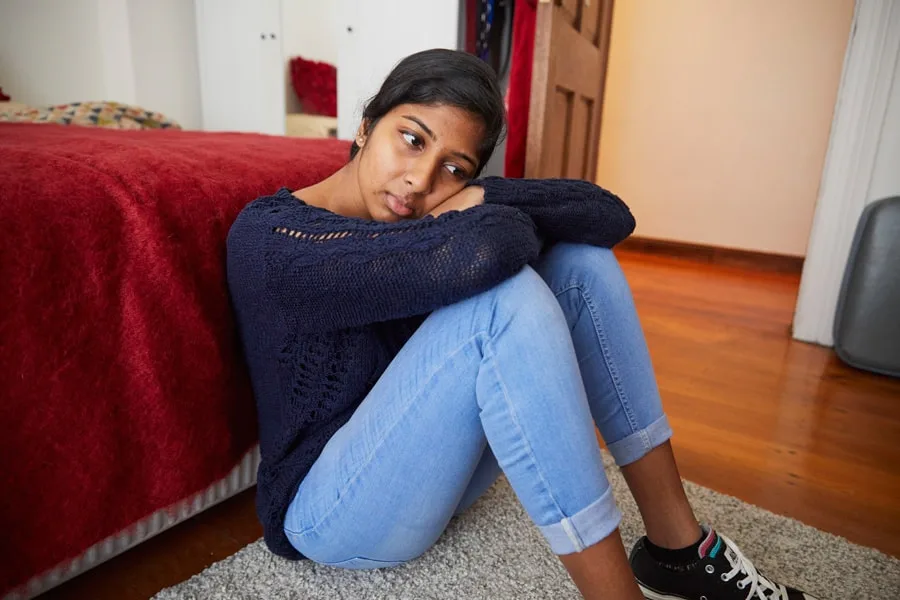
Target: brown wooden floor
x,y
777,423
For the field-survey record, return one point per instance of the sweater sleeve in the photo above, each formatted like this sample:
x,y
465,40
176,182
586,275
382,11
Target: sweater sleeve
x,y
564,210
332,272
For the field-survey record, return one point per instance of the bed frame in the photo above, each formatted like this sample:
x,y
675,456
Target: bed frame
x,y
241,477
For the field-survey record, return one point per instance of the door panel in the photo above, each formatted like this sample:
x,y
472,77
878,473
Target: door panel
x,y
570,56
590,20
579,126
272,67
570,10
556,138
241,65
375,36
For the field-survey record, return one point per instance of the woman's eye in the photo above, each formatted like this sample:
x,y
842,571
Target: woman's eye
x,y
456,171
412,139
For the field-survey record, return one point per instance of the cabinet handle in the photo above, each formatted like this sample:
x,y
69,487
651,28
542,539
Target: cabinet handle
x,y
272,35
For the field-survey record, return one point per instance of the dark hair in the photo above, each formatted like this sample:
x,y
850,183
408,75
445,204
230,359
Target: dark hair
x,y
443,77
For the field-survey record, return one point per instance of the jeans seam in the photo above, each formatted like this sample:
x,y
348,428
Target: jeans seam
x,y
607,360
378,445
514,417
387,563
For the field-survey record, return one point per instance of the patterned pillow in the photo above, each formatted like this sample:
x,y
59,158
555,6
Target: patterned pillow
x,y
111,115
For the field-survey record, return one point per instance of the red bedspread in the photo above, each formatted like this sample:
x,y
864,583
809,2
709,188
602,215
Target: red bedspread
x,y
121,385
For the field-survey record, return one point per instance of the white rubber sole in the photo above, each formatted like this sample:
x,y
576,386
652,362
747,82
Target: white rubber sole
x,y
651,595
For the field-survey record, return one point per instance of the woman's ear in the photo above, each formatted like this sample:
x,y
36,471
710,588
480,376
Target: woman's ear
x,y
362,133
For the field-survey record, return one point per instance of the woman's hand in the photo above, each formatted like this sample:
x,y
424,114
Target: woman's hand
x,y
467,197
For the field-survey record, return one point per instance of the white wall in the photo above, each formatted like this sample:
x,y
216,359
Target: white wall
x,y
717,116
133,51
51,51
886,176
164,58
309,28
381,34
115,51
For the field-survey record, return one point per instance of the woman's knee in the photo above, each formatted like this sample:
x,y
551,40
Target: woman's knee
x,y
523,300
589,268
527,297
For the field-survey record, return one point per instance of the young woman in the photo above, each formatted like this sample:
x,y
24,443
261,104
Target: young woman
x,y
412,331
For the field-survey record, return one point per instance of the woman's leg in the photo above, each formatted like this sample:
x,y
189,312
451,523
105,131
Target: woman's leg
x,y
624,400
497,369
621,386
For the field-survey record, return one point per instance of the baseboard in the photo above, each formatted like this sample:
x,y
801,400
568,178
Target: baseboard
x,y
748,259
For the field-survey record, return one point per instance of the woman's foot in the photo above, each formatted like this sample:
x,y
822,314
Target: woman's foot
x,y
716,570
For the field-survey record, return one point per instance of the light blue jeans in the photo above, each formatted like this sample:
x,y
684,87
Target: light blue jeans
x,y
512,379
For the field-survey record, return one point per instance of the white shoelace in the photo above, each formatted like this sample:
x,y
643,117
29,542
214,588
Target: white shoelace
x,y
760,588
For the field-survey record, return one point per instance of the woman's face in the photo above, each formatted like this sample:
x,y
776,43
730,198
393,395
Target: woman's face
x,y
416,157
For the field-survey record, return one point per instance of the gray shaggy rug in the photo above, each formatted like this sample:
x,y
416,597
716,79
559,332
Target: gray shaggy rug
x,y
493,552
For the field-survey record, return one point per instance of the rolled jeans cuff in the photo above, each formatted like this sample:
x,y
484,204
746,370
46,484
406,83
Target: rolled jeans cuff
x,y
639,443
585,528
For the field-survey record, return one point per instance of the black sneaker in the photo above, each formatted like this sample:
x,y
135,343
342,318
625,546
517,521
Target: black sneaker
x,y
721,572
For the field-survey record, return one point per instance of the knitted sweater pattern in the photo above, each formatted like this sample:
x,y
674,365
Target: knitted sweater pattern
x,y
323,302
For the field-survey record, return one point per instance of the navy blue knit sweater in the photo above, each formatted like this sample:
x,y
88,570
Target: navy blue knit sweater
x,y
325,302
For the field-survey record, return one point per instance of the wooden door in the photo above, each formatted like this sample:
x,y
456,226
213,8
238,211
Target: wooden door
x,y
571,48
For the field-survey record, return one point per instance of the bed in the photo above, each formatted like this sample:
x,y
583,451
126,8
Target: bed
x,y
125,406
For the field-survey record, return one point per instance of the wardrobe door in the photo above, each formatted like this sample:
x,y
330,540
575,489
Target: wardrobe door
x,y
375,36
271,65
241,65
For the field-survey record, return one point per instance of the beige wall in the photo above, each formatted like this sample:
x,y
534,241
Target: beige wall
x,y
717,115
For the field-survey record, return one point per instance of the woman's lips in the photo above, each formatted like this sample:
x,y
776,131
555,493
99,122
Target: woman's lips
x,y
397,206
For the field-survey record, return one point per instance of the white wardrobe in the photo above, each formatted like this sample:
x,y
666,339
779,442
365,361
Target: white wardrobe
x,y
242,59
376,35
242,65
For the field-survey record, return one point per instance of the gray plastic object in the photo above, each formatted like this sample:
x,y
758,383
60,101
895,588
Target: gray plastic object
x,y
867,323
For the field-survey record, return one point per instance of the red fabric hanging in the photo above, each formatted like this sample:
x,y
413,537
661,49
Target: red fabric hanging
x,y
518,96
471,25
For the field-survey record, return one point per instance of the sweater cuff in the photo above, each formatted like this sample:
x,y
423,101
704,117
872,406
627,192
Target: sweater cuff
x,y
499,190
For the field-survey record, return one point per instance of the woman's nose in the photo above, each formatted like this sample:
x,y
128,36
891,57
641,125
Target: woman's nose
x,y
419,177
